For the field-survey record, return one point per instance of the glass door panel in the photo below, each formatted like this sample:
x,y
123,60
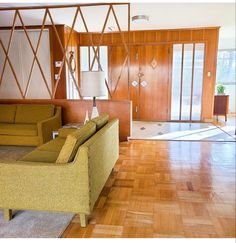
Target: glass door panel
x,y
187,81
198,81
176,77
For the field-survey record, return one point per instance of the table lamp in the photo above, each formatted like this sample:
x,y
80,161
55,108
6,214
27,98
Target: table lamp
x,y
93,85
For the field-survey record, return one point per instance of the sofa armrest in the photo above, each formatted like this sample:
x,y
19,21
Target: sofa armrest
x,y
103,152
45,186
46,127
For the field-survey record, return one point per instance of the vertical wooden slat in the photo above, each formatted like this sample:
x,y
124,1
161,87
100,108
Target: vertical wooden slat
x,y
192,82
181,83
63,52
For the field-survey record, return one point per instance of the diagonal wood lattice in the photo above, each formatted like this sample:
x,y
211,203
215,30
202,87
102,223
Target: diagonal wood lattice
x,y
63,48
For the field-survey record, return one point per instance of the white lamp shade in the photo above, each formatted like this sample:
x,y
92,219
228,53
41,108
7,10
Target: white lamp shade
x,y
93,84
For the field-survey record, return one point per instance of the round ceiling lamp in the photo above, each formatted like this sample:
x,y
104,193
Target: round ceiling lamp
x,y
140,18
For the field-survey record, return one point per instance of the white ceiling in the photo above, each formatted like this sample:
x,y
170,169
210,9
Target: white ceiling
x,y
162,16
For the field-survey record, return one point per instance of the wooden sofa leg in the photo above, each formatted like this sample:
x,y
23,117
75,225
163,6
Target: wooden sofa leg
x,y
7,214
83,220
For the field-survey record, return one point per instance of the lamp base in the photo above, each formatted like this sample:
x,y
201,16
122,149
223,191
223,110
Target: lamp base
x,y
94,112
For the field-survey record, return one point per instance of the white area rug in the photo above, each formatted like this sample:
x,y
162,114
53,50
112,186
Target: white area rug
x,y
32,224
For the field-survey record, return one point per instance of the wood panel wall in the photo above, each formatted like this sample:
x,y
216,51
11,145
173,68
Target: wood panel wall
x,y
209,36
57,55
74,111
149,37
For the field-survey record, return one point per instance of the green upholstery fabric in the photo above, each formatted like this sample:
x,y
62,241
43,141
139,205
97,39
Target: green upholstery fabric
x,y
7,113
73,141
101,148
41,156
64,132
19,140
29,133
54,145
72,187
33,113
100,121
18,129
46,127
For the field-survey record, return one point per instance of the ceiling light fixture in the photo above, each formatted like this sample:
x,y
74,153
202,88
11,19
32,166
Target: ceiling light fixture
x,y
139,18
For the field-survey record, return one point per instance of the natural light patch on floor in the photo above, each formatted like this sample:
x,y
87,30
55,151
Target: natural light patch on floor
x,y
181,131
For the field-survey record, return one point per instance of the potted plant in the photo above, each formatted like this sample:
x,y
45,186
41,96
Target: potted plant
x,y
220,89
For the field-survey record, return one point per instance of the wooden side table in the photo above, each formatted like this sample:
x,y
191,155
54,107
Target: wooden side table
x,y
221,106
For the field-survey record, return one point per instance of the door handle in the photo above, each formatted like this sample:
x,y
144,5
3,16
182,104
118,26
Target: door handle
x,y
144,83
134,83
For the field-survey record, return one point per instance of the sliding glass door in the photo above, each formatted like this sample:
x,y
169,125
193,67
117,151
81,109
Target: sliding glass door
x,y
187,80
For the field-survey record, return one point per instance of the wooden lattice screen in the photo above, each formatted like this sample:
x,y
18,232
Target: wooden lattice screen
x,y
63,48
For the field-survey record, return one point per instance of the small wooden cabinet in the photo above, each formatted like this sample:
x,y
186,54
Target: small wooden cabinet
x,y
221,106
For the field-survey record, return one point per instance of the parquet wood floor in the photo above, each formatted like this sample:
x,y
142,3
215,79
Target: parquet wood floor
x,y
166,189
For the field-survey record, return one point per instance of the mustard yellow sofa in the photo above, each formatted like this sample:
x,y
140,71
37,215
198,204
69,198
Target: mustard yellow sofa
x,y
66,174
28,125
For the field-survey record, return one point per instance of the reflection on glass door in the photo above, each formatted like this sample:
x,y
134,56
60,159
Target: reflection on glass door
x,y
187,80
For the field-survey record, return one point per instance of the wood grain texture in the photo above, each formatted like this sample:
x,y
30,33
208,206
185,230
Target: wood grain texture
x,y
74,111
150,102
150,37
221,105
118,72
57,55
153,105
208,36
155,191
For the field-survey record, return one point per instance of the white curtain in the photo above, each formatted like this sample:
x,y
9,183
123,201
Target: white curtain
x,y
21,57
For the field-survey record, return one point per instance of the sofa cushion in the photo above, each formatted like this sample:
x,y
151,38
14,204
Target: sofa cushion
x,y
54,145
100,121
74,140
18,129
7,113
64,132
33,113
41,156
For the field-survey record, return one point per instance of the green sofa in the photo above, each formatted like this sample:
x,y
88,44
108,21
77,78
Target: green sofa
x,y
28,125
66,174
